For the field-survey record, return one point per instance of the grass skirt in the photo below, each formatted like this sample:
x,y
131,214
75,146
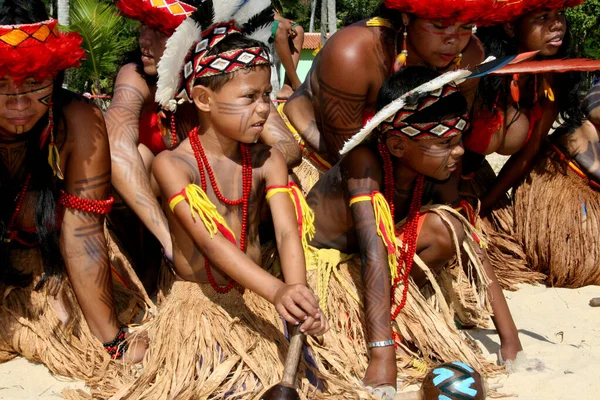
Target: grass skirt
x,y
309,171
504,251
557,218
30,326
427,322
206,345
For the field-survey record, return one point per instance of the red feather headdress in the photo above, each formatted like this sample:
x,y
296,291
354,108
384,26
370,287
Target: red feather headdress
x,y
457,10
37,50
160,15
509,10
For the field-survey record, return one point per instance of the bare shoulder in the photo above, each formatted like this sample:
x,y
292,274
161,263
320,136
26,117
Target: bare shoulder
x,y
349,46
84,119
474,53
264,156
129,82
362,162
171,164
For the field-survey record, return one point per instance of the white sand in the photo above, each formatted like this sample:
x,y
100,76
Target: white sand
x,y
556,326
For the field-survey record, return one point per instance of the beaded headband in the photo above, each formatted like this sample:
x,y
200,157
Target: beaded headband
x,y
186,56
37,50
160,15
442,129
428,89
199,65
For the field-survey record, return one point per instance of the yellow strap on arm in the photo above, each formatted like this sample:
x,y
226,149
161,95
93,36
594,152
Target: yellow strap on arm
x,y
274,190
385,227
202,207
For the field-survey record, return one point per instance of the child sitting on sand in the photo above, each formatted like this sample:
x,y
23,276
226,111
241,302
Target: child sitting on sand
x,y
212,337
372,201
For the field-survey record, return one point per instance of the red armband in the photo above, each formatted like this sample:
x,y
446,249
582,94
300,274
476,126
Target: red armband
x,y
86,205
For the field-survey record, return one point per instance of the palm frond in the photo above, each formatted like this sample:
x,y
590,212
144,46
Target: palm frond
x,y
99,25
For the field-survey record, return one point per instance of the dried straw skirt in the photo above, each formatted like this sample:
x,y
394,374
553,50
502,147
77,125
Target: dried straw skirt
x,y
30,325
207,345
427,322
557,218
504,251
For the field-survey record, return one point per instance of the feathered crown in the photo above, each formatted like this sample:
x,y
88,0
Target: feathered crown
x,y
37,50
161,15
390,117
510,10
475,11
184,58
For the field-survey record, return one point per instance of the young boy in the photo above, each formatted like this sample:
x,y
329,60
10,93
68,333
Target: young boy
x,y
212,337
415,148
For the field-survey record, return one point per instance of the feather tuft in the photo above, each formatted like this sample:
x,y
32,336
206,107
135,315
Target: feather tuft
x,y
392,108
171,63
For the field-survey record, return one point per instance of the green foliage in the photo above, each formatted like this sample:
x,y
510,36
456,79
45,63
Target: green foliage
x,y
351,11
584,24
107,37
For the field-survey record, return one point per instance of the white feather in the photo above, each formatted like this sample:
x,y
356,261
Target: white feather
x,y
392,108
262,34
171,63
250,9
224,9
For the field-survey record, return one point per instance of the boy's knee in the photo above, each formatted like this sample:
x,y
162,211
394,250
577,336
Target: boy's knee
x,y
442,238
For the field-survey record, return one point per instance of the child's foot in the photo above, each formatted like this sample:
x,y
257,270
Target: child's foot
x,y
510,351
285,92
382,392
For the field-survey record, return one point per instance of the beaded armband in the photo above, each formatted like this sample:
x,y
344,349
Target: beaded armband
x,y
385,227
304,215
86,205
201,207
118,346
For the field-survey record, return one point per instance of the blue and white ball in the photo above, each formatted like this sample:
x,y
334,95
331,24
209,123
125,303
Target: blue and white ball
x,y
453,381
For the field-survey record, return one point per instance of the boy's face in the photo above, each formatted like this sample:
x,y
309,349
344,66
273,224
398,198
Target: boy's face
x,y
435,158
240,109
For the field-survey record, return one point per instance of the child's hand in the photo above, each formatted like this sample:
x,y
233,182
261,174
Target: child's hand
x,y
296,304
315,326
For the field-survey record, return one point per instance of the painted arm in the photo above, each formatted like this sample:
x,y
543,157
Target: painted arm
x,y
301,114
289,245
520,163
362,174
293,302
82,241
276,134
129,174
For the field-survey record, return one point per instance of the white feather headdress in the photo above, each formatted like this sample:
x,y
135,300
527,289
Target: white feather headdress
x,y
391,109
254,17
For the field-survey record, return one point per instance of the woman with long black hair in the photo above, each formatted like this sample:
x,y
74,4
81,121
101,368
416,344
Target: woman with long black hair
x,y
58,305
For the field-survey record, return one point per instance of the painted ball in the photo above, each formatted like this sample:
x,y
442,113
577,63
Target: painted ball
x,y
453,381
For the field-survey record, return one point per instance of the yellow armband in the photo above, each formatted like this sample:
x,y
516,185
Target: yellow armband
x,y
304,215
202,207
385,227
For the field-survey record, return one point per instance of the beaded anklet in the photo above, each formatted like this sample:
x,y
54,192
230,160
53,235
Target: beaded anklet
x,y
118,346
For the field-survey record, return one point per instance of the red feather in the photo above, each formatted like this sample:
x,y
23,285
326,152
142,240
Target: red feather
x,y
544,66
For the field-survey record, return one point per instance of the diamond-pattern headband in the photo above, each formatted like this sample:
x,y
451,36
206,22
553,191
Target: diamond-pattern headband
x,y
451,127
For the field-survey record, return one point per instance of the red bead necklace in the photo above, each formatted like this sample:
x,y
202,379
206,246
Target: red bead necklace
x,y
12,233
408,250
173,132
203,165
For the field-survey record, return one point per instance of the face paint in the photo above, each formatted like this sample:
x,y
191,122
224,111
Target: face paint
x,y
23,103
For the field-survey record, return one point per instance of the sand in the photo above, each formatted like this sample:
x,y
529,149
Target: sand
x,y
556,326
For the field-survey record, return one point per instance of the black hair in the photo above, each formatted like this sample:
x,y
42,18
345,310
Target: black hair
x,y
231,42
499,44
394,16
408,78
42,182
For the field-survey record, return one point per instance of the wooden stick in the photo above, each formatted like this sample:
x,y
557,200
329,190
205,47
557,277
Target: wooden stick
x,y
293,358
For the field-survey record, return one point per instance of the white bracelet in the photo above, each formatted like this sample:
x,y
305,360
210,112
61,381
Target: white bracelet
x,y
383,343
